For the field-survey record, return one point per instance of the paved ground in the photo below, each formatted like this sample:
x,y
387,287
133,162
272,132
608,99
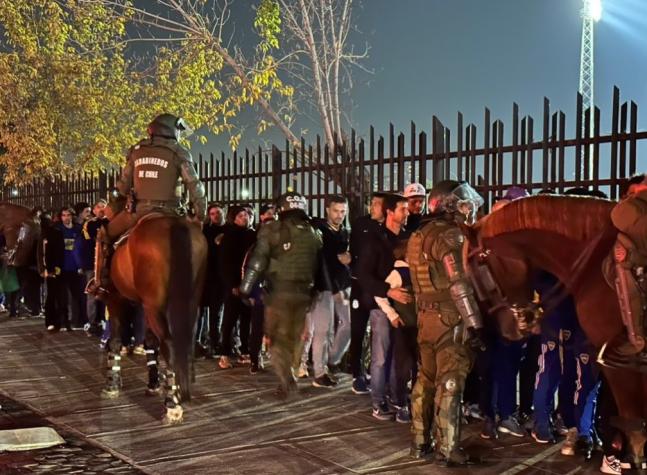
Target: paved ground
x,y
234,425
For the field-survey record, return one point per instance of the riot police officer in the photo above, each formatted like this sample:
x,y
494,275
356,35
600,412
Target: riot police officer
x,y
449,321
150,179
287,256
630,257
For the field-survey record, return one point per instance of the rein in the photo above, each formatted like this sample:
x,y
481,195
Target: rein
x,y
490,289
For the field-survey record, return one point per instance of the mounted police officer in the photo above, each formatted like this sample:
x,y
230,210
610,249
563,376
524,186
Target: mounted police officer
x,y
150,180
630,259
287,256
449,321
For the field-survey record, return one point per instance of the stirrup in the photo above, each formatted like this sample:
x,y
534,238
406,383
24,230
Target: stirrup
x,y
610,358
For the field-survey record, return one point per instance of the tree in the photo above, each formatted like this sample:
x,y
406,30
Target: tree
x,y
73,95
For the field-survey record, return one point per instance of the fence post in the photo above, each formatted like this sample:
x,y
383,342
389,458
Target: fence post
x,y
276,172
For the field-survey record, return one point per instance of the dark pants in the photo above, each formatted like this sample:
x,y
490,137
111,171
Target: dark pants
x,y
56,304
358,321
257,314
528,372
30,287
404,363
235,311
506,359
133,329
71,287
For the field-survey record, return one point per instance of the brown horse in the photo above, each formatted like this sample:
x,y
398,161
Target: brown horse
x,y
568,237
161,266
21,230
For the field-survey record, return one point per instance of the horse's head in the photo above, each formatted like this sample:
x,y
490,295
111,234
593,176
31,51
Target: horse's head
x,y
503,286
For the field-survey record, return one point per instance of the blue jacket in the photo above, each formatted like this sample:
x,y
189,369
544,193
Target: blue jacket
x,y
72,252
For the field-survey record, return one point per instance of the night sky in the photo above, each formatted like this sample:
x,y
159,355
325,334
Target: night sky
x,y
436,57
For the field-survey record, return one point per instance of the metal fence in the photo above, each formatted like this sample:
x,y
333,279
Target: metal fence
x,y
531,158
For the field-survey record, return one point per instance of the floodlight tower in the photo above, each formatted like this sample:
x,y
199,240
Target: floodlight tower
x,y
591,13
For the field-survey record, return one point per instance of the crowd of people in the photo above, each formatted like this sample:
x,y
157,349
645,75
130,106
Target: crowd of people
x,y
386,299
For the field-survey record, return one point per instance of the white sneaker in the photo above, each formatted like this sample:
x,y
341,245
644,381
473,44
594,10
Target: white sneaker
x,y
303,371
225,363
50,328
612,465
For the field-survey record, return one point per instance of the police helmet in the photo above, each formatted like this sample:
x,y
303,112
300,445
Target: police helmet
x,y
457,198
291,201
168,126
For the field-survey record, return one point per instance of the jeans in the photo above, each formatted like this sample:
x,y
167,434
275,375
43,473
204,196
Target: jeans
x,y
381,352
319,325
341,341
403,363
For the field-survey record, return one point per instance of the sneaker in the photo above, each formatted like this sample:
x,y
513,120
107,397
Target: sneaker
x,y
51,328
383,412
559,427
542,435
124,350
473,411
360,386
324,382
568,447
303,371
254,368
86,327
244,359
66,329
225,363
511,426
613,465
489,432
139,350
403,415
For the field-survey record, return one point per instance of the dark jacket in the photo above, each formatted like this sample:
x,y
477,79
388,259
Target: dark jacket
x,y
374,264
334,243
211,232
235,243
50,250
413,222
360,228
88,241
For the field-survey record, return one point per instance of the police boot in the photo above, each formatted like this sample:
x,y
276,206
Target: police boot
x,y
421,451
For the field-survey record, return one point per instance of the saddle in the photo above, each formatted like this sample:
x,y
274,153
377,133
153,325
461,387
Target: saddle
x,y
147,217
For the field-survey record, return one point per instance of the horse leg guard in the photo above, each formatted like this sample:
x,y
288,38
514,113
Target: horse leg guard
x,y
154,386
174,411
113,380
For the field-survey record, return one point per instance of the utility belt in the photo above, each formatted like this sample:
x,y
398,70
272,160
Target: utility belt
x,y
306,288
437,301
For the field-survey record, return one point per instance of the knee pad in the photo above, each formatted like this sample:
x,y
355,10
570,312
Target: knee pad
x,y
451,384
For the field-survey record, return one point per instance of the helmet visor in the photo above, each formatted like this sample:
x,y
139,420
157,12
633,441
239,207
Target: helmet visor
x,y
185,130
468,201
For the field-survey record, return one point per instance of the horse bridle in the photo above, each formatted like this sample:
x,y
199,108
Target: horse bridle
x,y
488,289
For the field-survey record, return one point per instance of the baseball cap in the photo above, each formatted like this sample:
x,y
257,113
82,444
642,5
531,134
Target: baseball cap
x,y
414,189
514,192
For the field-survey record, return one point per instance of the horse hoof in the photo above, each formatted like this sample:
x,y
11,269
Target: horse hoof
x,y
173,415
154,391
109,393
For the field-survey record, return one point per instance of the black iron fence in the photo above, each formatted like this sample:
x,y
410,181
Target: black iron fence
x,y
491,159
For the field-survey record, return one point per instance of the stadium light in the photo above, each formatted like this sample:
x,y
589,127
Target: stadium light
x,y
592,10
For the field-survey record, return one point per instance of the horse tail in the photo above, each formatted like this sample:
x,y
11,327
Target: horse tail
x,y
181,305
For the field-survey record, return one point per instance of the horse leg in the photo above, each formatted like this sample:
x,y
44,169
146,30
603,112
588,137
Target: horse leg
x,y
631,420
113,380
174,410
152,350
